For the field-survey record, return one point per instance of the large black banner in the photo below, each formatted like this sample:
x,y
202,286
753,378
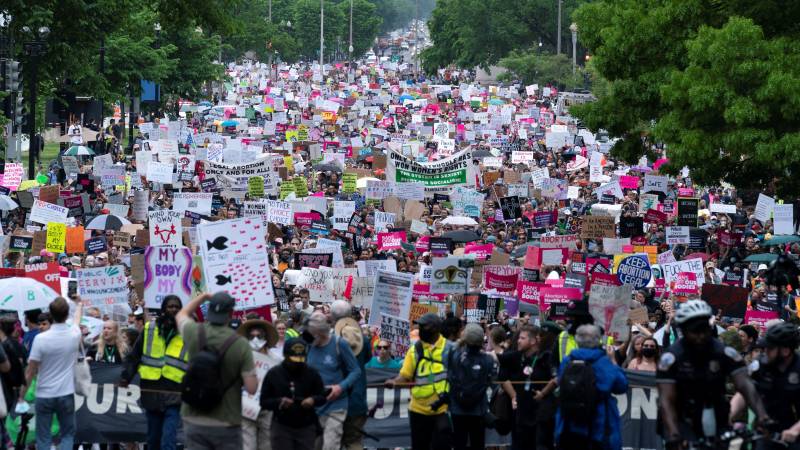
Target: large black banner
x,y
111,413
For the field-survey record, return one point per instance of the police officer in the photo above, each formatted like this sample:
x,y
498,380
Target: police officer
x,y
777,379
424,367
691,381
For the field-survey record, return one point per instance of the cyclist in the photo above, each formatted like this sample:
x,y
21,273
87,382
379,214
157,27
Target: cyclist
x,y
691,381
777,379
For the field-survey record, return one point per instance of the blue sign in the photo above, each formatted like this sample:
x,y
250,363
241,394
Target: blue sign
x,y
634,270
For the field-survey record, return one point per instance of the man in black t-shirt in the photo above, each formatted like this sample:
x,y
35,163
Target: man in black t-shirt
x,y
691,381
530,368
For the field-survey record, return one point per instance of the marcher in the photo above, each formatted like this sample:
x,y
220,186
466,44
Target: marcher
x,y
470,373
52,362
597,424
384,360
292,390
219,427
160,359
424,368
332,358
262,337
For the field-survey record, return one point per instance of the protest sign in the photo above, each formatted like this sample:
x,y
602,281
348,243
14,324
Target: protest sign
x,y
677,235
48,274
44,213
198,202
598,227
670,271
166,272
396,331
764,208
610,306
105,288
96,245
438,176
759,319
687,211
685,283
634,270
501,278
392,295
56,237
391,241
555,299
165,227
313,260
235,260
159,172
370,268
783,219
655,183
279,212
731,300
448,276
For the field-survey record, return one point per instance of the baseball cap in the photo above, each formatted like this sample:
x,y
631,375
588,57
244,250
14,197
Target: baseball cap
x,y
220,308
295,350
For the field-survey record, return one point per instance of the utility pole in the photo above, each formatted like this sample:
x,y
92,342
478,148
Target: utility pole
x,y
558,32
416,39
269,44
574,30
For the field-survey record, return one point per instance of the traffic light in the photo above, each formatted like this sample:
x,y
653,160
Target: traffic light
x,y
20,113
13,75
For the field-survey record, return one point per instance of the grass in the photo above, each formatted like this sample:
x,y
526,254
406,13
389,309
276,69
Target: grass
x,y
49,153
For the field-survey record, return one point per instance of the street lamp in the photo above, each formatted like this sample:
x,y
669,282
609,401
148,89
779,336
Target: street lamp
x,y
350,47
574,29
321,35
33,48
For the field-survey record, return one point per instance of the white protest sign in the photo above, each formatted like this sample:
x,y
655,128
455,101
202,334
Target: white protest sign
x,y
342,210
197,202
392,295
43,213
655,183
764,208
717,207
382,221
159,172
784,219
165,228
677,235
671,270
279,212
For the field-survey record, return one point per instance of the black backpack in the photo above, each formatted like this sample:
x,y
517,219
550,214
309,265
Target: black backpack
x,y
15,377
577,391
469,378
202,387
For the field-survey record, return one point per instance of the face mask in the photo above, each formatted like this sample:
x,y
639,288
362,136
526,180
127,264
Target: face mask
x,y
298,305
257,343
427,335
653,325
648,352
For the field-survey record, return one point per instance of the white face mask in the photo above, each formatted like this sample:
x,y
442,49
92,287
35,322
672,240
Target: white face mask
x,y
298,305
257,343
653,325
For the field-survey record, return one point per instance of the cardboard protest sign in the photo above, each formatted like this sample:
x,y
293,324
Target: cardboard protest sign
x,y
166,272
74,238
732,300
598,227
396,331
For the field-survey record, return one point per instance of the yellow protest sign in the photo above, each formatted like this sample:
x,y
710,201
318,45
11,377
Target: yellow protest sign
x,y
255,187
287,187
56,237
289,163
300,187
349,182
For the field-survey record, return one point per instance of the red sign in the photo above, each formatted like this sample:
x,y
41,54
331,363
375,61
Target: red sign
x,y
48,274
528,291
305,219
685,283
628,182
653,216
500,283
552,295
483,251
759,318
729,238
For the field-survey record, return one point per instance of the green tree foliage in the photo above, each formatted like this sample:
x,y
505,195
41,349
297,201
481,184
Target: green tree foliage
x,y
531,67
366,24
713,80
469,33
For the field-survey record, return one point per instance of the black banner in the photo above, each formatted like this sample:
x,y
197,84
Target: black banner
x,y
111,413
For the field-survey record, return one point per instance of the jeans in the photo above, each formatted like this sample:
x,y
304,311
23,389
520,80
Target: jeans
x,y
200,437
64,409
162,428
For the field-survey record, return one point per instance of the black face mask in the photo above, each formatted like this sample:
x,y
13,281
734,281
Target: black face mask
x,y
648,352
427,335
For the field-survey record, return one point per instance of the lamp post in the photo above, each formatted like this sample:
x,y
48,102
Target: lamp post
x,y
321,34
558,30
350,47
33,48
574,30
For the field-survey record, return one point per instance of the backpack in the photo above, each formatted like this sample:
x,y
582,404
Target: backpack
x,y
577,391
469,379
202,387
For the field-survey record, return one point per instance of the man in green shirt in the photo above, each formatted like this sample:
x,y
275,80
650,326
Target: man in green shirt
x,y
219,428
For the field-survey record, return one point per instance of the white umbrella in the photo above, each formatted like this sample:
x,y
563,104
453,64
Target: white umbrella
x,y
24,294
6,204
361,183
459,220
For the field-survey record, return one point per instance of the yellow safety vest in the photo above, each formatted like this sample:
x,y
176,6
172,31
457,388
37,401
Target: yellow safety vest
x,y
567,343
157,361
430,376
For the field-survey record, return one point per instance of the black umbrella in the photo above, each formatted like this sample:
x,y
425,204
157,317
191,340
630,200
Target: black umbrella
x,y
462,236
107,222
520,251
482,153
327,167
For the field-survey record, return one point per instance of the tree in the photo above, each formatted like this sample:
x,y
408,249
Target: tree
x,y
366,24
305,27
542,69
725,112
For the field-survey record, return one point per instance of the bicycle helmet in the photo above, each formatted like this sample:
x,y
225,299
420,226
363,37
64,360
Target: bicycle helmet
x,y
781,335
693,309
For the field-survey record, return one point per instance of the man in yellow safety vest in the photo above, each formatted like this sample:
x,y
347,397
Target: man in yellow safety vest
x,y
160,359
577,315
425,369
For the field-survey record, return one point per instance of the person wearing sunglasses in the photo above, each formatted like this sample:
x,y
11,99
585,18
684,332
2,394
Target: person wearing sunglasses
x,y
385,360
